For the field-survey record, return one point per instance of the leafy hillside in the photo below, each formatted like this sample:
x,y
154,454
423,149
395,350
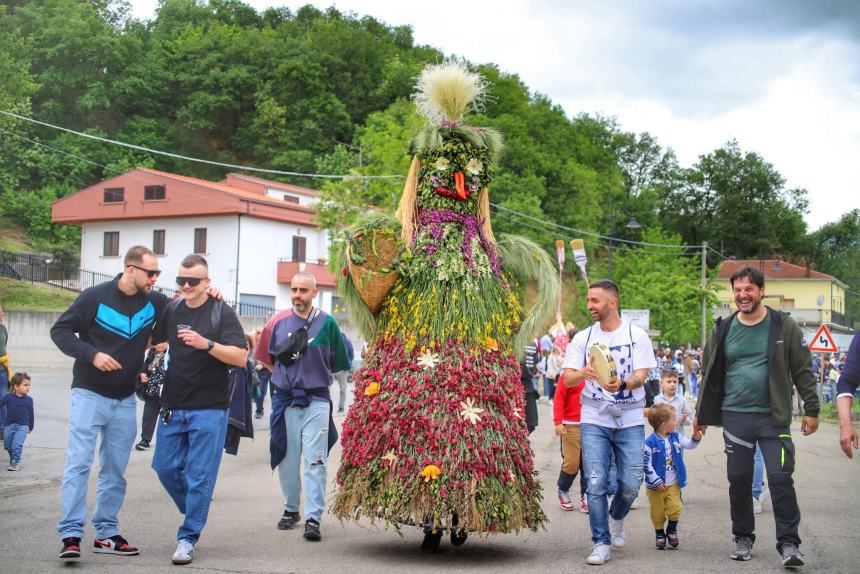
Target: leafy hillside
x,y
25,296
328,92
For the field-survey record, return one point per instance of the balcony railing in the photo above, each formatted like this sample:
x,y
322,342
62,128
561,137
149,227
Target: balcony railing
x,y
316,267
39,268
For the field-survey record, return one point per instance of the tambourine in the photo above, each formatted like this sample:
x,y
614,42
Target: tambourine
x,y
604,364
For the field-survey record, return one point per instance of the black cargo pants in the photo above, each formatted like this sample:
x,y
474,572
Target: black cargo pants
x,y
741,431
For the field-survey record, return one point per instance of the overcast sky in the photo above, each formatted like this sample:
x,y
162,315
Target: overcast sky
x,y
780,76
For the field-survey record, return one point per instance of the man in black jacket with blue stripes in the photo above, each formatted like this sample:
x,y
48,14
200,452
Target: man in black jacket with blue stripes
x,y
106,330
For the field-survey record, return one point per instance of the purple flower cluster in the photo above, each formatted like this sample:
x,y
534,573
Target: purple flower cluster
x,y
433,221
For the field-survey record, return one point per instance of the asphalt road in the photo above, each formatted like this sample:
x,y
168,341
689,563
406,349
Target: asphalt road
x,y
241,534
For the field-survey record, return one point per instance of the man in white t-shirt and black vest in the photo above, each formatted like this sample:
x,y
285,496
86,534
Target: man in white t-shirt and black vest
x,y
612,416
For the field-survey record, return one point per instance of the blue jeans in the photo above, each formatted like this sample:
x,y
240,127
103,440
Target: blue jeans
x,y
758,473
4,390
14,436
259,393
307,439
694,384
114,420
187,458
598,444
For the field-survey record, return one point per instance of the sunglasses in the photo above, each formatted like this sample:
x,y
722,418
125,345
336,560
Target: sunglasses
x,y
192,281
149,272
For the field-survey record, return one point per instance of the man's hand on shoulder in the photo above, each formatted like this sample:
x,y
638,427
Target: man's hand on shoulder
x,y
105,363
215,293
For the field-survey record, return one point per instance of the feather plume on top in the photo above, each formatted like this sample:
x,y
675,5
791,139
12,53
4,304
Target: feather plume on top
x,y
445,91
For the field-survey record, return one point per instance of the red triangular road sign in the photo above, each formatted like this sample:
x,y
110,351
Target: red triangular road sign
x,y
823,341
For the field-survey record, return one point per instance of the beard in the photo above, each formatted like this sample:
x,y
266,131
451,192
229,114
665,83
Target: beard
x,y
752,304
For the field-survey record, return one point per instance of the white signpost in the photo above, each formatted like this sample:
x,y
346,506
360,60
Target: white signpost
x,y
639,317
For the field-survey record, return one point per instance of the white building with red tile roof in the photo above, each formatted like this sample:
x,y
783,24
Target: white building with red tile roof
x,y
254,233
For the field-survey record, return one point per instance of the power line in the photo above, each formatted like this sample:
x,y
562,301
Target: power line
x,y
592,234
323,176
107,169
14,134
199,160
598,243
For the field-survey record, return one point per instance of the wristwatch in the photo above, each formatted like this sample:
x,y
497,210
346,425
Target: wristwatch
x,y
622,386
210,344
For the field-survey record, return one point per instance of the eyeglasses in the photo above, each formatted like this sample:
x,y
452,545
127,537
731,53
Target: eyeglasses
x,y
192,281
149,272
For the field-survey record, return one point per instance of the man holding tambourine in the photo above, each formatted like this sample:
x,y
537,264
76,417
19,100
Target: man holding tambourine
x,y
613,357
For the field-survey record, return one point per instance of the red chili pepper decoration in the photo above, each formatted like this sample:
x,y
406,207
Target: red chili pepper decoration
x,y
460,184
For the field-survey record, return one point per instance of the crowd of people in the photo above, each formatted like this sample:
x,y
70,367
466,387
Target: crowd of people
x,y
740,381
185,380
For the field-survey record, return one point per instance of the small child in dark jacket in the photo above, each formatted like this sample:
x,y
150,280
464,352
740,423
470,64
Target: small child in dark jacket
x,y
665,473
19,418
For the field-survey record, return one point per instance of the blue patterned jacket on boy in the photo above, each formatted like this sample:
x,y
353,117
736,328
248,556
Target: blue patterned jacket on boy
x,y
656,459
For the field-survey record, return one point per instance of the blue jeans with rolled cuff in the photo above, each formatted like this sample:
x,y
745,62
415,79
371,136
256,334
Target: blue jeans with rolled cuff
x,y
187,457
599,443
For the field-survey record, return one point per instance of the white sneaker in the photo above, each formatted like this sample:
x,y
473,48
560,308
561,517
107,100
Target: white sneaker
x,y
757,502
600,554
184,553
616,532
756,505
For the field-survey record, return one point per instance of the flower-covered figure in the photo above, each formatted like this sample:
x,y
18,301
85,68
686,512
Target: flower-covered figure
x,y
436,436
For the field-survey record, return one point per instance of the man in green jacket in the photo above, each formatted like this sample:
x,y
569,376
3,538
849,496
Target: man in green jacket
x,y
750,363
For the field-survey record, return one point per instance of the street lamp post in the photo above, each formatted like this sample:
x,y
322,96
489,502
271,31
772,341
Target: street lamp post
x,y
632,224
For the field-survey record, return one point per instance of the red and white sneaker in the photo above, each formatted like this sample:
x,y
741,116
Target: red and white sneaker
x,y
71,548
564,500
583,504
114,545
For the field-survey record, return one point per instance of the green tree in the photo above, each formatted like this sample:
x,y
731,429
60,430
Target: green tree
x,y
666,283
736,199
836,250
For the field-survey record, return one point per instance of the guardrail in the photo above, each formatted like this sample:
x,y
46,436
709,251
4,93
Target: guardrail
x,y
40,268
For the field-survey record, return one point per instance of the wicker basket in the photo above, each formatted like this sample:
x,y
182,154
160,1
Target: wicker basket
x,y
379,251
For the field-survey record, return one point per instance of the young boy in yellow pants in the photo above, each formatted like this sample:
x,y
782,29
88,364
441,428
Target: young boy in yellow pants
x,y
665,473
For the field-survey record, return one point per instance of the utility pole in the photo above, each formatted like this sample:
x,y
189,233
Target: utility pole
x,y
611,237
704,287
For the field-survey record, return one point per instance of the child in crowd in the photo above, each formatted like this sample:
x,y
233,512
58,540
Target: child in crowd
x,y
553,371
665,473
669,396
19,418
149,390
566,416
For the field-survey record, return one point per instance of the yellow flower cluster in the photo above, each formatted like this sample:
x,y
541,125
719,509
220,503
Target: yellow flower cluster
x,y
430,472
372,389
445,312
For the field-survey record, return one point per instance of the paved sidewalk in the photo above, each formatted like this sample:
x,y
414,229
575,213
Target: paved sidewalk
x,y
241,534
